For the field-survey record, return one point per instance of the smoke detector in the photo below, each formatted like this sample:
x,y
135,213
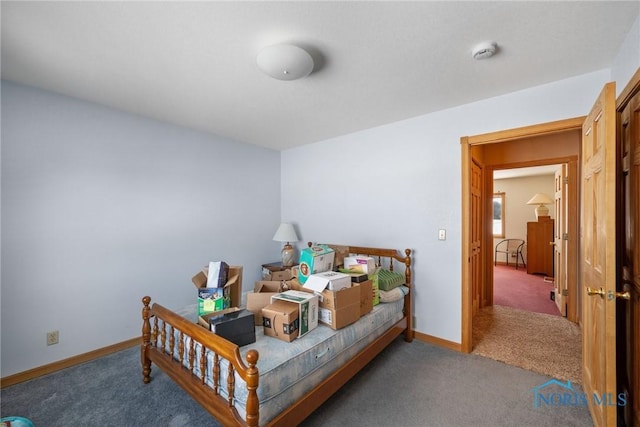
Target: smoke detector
x,y
484,50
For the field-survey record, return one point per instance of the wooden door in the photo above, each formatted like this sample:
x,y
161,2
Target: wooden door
x,y
476,235
598,258
559,240
628,319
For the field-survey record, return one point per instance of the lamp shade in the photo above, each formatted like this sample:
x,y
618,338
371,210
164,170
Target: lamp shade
x,y
285,62
285,233
540,199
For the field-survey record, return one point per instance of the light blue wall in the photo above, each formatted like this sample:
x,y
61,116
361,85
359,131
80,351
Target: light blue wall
x,y
100,208
396,185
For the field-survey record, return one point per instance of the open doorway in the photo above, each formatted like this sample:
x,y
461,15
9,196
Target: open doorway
x,y
528,272
557,143
538,145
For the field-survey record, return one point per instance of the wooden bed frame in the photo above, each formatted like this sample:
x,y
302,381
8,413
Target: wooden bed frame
x,y
158,348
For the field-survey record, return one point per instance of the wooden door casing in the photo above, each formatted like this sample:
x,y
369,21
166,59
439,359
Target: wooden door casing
x,y
542,144
598,255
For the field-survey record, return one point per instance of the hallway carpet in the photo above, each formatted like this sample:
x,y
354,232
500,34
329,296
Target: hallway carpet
x,y
517,289
542,343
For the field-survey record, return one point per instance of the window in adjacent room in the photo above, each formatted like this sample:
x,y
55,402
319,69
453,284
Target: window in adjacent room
x,y
498,215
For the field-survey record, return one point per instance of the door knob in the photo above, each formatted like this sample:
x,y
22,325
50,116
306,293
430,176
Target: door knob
x,y
592,292
611,295
624,295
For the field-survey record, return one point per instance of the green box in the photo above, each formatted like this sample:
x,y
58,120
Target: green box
x,y
213,299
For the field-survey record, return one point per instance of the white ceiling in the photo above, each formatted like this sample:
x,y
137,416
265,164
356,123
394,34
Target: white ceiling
x,y
194,63
523,172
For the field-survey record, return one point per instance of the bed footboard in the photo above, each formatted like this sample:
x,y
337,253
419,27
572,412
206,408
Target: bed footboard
x,y
161,326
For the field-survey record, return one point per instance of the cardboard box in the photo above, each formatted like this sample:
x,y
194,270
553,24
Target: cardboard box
x,y
261,297
315,259
341,252
331,280
295,272
280,320
236,326
341,317
275,271
281,275
340,299
341,308
204,319
360,264
307,306
366,297
215,299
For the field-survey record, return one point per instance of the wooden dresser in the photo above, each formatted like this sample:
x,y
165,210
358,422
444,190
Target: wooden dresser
x,y
539,248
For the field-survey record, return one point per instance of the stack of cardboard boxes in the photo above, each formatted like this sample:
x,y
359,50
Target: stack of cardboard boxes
x,y
292,305
289,302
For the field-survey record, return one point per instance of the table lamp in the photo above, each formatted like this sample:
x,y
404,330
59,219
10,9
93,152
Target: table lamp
x,y
286,233
541,200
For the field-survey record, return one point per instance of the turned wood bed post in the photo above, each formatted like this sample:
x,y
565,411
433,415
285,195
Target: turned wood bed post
x,y
253,405
146,340
408,334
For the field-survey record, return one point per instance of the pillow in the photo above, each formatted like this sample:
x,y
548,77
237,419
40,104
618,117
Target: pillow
x,y
393,295
388,280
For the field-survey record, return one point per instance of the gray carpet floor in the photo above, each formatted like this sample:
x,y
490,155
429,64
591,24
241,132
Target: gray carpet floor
x,y
408,384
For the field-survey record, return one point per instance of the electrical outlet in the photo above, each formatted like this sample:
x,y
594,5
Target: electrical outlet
x,y
442,234
52,337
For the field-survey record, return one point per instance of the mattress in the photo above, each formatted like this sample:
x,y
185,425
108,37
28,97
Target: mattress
x,y
289,370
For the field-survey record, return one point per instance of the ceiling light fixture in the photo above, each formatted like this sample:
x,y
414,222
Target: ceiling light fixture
x,y
285,62
484,50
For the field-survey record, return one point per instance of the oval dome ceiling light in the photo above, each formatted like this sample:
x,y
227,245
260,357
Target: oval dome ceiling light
x,y
285,62
484,50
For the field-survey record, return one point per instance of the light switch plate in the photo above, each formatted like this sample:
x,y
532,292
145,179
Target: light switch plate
x,y
442,234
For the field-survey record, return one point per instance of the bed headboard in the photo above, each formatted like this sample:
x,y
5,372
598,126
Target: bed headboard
x,y
384,257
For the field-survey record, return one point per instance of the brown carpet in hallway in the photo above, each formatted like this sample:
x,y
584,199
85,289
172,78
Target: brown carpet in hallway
x,y
542,343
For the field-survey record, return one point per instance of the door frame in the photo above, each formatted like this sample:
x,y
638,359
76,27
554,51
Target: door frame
x,y
467,143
